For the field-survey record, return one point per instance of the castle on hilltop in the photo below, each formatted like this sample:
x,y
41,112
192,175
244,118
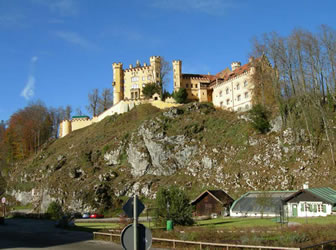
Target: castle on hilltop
x,y
128,83
229,89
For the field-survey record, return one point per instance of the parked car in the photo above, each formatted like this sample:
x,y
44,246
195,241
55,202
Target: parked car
x,y
86,216
95,215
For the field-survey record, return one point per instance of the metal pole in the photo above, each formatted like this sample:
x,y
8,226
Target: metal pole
x,y
135,222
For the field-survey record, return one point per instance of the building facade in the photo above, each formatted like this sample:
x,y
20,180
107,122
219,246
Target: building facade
x,y
128,83
229,89
312,202
233,91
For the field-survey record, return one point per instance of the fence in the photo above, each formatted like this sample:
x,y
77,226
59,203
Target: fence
x,y
202,244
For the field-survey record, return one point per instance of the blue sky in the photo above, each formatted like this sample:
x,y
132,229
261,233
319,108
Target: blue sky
x,y
57,51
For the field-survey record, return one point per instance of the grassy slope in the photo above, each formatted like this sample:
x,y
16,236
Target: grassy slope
x,y
211,130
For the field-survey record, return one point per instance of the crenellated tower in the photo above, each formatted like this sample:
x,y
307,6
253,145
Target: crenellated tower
x,y
155,62
118,82
177,72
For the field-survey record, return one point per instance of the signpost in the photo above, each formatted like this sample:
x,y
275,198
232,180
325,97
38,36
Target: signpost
x,y
135,236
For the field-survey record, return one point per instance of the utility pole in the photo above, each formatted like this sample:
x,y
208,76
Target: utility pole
x,y
135,222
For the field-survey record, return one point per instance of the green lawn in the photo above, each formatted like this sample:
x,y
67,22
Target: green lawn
x,y
223,223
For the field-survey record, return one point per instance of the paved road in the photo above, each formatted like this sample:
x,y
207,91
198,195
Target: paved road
x,y
38,234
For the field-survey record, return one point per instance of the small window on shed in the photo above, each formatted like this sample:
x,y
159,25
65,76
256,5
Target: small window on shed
x,y
324,208
302,207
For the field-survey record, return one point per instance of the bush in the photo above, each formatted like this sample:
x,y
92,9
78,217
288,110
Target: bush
x,y
259,116
173,204
150,89
180,96
55,210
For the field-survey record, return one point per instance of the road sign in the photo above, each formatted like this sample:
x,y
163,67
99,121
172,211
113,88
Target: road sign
x,y
144,237
3,200
128,207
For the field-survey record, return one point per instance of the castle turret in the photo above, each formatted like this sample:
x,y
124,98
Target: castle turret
x,y
177,72
65,128
155,62
235,65
118,82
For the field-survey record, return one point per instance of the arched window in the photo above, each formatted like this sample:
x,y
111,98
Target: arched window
x,y
245,84
220,93
227,91
238,87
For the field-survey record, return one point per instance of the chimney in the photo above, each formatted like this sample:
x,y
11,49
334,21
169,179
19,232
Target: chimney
x,y
235,65
306,185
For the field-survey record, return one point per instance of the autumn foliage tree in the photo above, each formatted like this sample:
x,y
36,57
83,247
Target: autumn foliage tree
x,y
27,130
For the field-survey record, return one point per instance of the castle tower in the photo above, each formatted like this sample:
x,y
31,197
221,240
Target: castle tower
x,y
155,62
177,72
65,128
118,82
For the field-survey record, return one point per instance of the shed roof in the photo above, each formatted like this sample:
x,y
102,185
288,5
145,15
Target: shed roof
x,y
261,201
218,195
325,193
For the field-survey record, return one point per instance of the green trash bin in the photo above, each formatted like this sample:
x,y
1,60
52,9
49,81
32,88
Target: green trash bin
x,y
169,225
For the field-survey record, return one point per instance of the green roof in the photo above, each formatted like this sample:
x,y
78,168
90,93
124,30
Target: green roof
x,y
326,193
80,116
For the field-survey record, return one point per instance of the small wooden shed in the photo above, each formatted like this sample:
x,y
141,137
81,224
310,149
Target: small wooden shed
x,y
212,202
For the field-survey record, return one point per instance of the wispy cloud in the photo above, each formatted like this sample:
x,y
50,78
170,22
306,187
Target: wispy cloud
x,y
75,38
211,7
62,7
9,20
28,91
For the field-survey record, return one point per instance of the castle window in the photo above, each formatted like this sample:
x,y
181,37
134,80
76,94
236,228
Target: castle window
x,y
238,87
221,104
245,83
135,79
238,98
247,106
149,77
132,95
227,91
187,85
246,94
239,109
143,78
220,93
227,101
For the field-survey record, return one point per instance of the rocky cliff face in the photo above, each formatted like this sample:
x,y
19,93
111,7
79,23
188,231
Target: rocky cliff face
x,y
194,146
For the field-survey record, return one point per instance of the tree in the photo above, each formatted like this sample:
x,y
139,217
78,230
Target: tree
x,y
259,118
68,112
173,204
181,95
55,210
93,102
150,89
27,130
105,101
165,68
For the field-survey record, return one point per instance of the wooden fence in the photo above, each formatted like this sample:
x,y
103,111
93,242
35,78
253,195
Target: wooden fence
x,y
201,244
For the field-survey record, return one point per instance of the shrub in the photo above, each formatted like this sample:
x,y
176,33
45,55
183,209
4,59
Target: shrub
x,y
259,116
173,204
55,210
180,96
150,89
